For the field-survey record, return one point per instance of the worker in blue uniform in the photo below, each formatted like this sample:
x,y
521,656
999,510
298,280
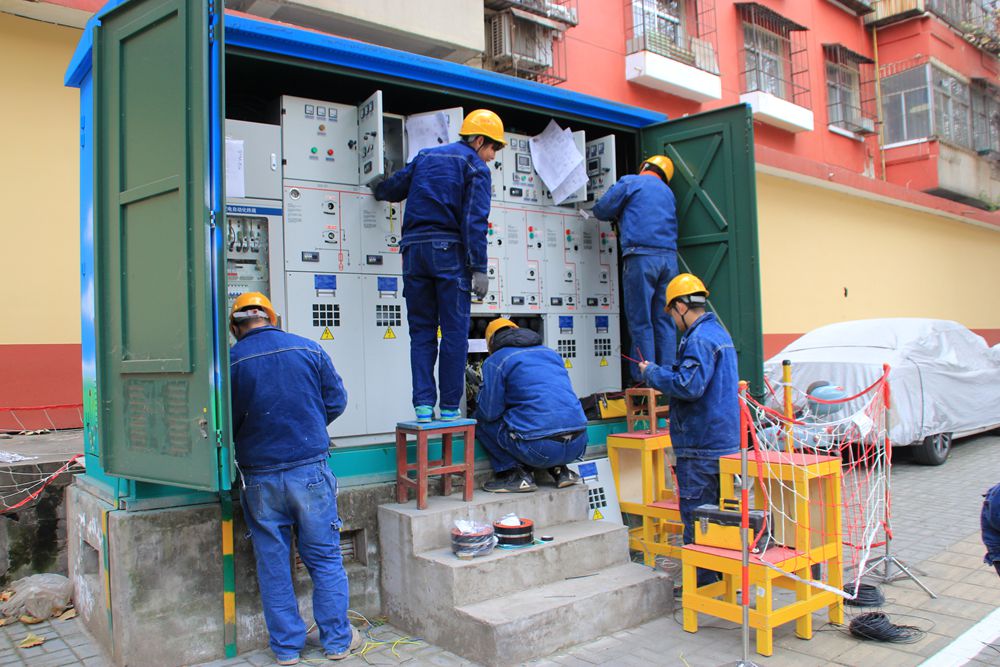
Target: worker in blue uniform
x,y
529,415
703,385
990,521
644,206
285,391
447,191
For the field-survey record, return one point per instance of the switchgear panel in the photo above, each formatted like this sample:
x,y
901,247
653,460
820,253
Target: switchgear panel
x,y
564,334
599,270
256,148
562,253
318,236
496,253
371,144
602,170
319,140
387,389
520,182
604,361
524,268
329,308
248,252
378,225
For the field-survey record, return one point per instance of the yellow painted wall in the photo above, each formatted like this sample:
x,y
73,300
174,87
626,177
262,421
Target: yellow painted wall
x,y
894,262
40,181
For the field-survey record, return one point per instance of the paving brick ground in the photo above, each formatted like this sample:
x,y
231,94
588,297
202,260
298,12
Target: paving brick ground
x,y
936,525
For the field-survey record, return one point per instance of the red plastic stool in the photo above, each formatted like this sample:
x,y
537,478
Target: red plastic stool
x,y
444,466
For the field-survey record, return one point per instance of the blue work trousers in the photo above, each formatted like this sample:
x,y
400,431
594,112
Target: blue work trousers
x,y
990,522
506,451
644,294
302,500
698,482
437,288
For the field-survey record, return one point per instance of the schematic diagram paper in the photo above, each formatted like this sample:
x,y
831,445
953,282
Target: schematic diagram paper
x,y
425,131
235,169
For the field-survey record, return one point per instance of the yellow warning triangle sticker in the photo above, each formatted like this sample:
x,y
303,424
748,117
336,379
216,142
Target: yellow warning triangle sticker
x,y
568,364
326,334
604,361
597,515
389,335
439,333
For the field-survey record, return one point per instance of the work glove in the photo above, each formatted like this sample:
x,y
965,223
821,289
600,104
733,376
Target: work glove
x,y
480,285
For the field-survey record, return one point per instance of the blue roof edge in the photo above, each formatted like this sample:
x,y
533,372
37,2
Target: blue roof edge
x,y
296,42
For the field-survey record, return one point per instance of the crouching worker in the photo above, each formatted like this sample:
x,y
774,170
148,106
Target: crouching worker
x,y
529,416
285,392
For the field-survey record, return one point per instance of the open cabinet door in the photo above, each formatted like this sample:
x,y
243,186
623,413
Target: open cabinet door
x,y
717,217
162,358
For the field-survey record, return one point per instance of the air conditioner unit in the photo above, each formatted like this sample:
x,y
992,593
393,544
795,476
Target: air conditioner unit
x,y
519,44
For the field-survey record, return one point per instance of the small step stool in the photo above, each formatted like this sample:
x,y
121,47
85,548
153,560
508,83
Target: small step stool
x,y
443,466
640,466
641,406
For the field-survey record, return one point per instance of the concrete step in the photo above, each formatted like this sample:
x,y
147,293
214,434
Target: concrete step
x,y
578,548
417,531
533,623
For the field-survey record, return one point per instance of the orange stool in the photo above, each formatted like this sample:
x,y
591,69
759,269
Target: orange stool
x,y
443,466
641,406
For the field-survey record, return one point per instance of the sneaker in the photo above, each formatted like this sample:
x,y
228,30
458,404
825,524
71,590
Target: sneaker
x,y
450,415
510,481
563,476
356,641
425,414
288,661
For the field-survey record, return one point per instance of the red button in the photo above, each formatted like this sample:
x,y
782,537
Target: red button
x,y
329,151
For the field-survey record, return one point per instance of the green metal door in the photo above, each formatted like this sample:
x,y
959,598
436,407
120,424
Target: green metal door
x,y
162,372
717,214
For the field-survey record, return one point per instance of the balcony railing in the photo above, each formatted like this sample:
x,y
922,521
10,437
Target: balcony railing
x,y
681,30
977,20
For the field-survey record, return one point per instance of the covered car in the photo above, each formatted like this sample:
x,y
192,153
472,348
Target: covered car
x,y
944,379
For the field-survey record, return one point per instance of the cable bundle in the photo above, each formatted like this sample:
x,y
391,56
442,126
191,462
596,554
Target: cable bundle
x,y
876,626
863,595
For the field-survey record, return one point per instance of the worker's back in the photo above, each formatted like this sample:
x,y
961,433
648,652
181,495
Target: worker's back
x,y
526,384
646,212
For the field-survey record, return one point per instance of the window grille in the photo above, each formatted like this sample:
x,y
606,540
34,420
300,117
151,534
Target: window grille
x,y
850,89
986,118
774,55
682,30
906,108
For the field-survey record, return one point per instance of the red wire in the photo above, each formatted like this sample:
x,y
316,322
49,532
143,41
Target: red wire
x,y
48,480
45,407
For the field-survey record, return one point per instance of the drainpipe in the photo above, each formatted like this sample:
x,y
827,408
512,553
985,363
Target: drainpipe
x,y
878,102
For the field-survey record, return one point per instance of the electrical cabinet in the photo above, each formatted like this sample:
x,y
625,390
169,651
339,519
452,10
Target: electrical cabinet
x,y
601,165
563,334
604,349
318,237
329,308
524,268
520,182
562,260
256,150
378,226
387,386
599,267
496,255
253,261
319,140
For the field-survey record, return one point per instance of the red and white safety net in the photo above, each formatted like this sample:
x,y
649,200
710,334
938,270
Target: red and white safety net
x,y
800,507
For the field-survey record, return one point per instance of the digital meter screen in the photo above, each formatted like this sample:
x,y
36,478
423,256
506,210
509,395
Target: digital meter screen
x,y
523,163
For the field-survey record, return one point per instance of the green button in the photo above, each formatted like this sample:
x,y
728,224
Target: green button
x,y
312,150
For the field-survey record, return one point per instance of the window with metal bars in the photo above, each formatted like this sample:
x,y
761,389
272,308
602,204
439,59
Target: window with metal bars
x,y
906,108
850,89
682,30
986,119
774,54
952,108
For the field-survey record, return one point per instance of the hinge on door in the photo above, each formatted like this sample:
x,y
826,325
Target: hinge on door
x,y
218,439
211,22
211,219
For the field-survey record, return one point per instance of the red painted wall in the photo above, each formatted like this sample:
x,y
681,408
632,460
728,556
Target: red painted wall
x,y
40,375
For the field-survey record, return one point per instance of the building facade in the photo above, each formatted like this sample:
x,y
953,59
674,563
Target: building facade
x,y
877,131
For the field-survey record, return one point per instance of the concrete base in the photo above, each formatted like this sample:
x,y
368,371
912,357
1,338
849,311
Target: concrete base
x,y
158,574
514,605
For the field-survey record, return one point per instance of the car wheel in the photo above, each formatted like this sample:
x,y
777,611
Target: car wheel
x,y
934,450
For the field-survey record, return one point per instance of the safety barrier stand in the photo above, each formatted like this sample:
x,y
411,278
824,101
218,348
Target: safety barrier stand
x,y
445,466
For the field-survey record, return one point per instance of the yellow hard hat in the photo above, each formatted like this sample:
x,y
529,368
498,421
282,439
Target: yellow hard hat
x,y
663,164
484,122
684,284
257,299
495,326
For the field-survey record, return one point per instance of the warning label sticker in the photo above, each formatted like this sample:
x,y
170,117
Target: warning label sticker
x,y
439,333
326,335
389,335
597,515
604,361
568,364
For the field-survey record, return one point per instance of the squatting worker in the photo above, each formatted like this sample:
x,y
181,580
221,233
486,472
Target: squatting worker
x,y
285,393
643,204
702,384
447,191
529,415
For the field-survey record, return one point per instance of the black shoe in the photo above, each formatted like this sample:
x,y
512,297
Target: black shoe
x,y
563,476
510,481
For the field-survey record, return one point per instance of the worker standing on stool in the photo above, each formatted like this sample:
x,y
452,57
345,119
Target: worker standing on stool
x,y
285,392
447,191
703,386
646,212
528,414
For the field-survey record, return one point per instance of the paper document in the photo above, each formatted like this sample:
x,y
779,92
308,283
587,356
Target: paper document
x,y
425,130
554,154
235,180
576,180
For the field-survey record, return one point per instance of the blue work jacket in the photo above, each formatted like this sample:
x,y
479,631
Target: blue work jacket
x,y
447,192
990,521
526,384
285,391
703,386
646,212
